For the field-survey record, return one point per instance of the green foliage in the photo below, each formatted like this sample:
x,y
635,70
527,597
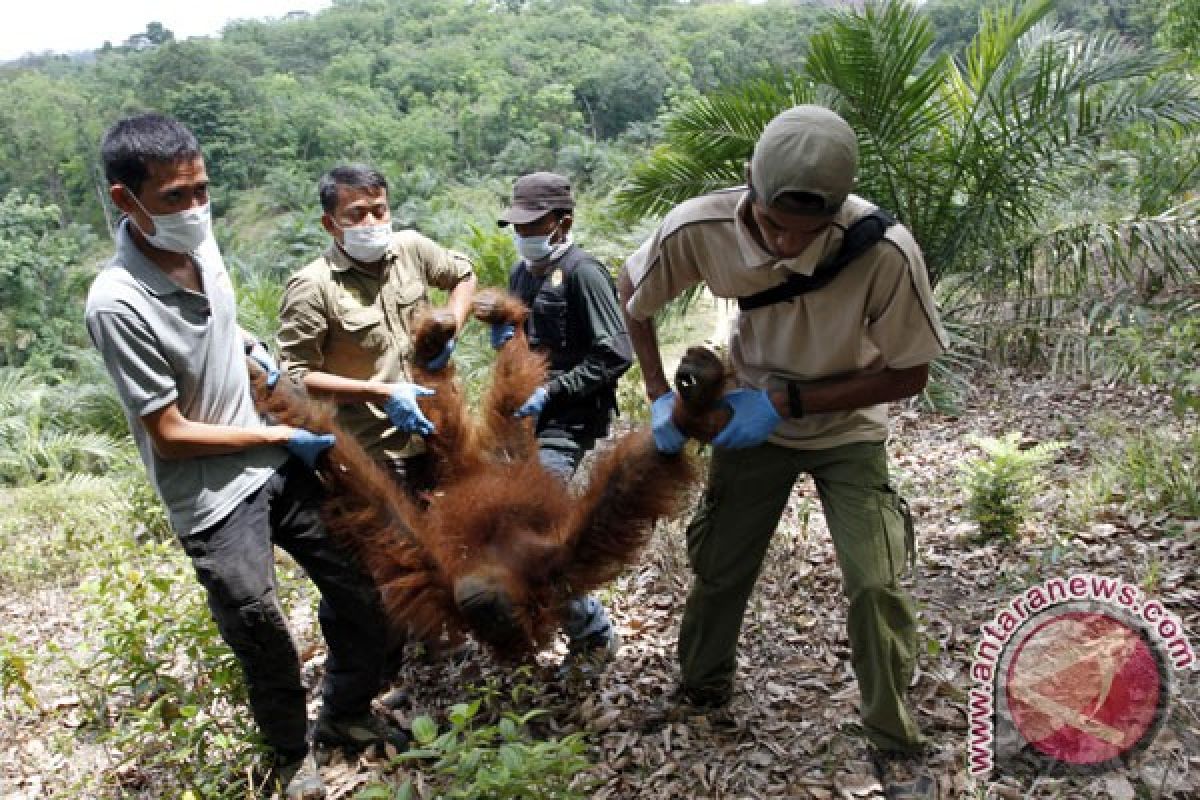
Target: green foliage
x,y
1181,28
981,154
461,87
72,520
1001,483
1152,472
42,282
43,433
1153,344
14,676
162,687
493,252
491,761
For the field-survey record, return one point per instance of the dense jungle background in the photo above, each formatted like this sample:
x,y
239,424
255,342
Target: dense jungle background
x,y
1045,154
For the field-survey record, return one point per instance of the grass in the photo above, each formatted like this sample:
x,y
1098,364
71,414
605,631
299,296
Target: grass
x,y
50,533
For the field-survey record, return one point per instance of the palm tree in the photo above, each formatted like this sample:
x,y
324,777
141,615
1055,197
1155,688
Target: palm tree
x,y
980,154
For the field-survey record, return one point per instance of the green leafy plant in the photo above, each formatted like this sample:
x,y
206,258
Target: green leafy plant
x,y
162,688
1153,472
1000,484
479,760
981,153
14,676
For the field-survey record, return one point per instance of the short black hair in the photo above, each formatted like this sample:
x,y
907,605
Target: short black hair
x,y
352,176
132,143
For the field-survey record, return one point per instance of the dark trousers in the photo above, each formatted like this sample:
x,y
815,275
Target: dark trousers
x,y
560,452
234,561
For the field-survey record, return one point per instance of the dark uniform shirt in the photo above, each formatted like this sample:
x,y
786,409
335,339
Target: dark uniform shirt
x,y
577,322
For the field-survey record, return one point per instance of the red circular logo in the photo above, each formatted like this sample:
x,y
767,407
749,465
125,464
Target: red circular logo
x,y
1084,688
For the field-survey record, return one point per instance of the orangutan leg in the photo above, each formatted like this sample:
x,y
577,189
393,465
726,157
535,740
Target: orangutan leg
x,y
517,373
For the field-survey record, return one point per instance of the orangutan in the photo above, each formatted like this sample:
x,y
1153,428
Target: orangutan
x,y
500,545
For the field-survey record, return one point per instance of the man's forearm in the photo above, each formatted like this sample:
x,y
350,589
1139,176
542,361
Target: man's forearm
x,y
856,391
176,437
644,339
346,390
459,301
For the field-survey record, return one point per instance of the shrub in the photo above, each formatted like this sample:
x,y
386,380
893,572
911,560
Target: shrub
x,y
500,760
1001,483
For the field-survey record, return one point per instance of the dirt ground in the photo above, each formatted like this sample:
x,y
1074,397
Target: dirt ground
x,y
796,699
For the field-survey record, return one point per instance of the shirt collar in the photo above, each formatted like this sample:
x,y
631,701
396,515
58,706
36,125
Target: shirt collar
x,y
143,270
755,256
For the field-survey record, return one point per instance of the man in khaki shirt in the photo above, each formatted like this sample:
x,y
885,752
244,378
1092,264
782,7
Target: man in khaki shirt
x,y
346,318
814,375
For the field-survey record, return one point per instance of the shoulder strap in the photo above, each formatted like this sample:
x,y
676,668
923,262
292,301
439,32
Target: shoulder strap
x,y
863,234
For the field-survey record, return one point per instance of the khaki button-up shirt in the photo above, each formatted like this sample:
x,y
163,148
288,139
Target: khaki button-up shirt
x,y
879,312
340,318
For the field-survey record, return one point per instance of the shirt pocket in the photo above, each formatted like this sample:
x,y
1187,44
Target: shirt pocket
x,y
364,328
549,323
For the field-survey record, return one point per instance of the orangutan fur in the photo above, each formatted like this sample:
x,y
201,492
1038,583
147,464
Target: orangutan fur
x,y
501,544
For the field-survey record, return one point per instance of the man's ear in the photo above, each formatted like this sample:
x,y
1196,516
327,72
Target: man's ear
x,y
119,193
749,181
330,228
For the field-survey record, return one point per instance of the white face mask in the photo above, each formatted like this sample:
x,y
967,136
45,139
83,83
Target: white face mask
x,y
181,232
366,243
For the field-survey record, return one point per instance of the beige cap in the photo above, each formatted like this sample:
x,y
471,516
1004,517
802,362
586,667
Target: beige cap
x,y
805,149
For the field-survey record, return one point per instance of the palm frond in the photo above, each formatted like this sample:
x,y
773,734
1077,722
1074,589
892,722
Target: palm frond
x,y
708,143
882,81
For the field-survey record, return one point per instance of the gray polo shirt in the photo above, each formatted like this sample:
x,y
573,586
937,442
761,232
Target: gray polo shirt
x,y
165,344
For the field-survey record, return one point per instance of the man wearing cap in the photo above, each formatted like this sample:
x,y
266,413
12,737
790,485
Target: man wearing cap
x,y
815,369
345,319
576,322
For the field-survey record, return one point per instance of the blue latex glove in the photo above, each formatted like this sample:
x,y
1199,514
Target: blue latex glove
x,y
260,356
307,446
501,333
440,361
754,417
403,411
534,405
667,438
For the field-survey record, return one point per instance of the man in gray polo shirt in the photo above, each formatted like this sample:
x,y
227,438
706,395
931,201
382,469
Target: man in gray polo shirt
x,y
815,370
163,315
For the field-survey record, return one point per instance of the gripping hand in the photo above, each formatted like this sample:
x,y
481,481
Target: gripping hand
x,y
501,333
263,358
667,438
439,362
307,446
534,405
754,417
403,411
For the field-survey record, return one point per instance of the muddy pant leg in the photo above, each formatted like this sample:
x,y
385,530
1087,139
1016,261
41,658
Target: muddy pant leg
x,y
560,452
234,561
869,533
587,623
727,541
350,612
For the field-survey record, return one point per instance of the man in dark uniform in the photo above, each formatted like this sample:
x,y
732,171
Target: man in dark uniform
x,y
577,323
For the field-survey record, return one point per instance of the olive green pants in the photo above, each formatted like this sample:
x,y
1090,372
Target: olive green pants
x,y
872,534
